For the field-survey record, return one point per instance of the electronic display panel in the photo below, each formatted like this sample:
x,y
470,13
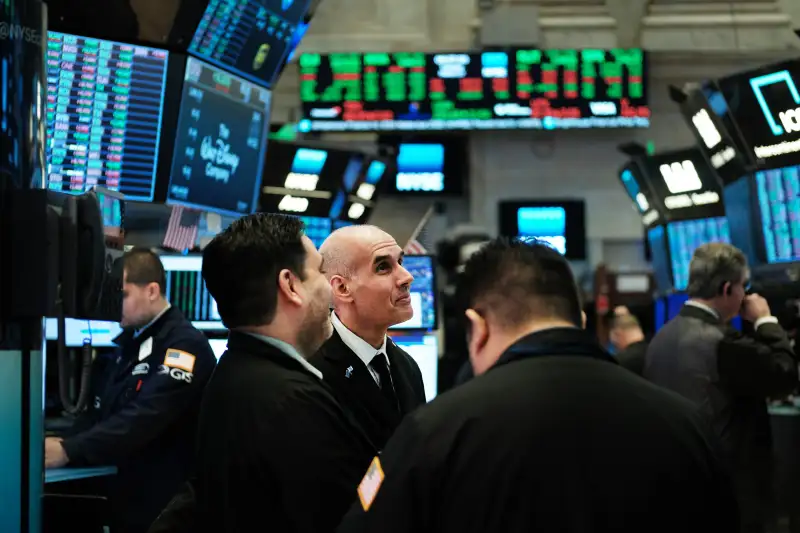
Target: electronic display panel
x,y
504,89
251,38
423,293
317,229
662,271
638,189
424,350
98,333
558,223
187,291
105,102
685,237
778,196
420,168
765,106
220,143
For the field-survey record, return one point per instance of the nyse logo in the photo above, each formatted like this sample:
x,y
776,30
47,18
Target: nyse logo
x,y
705,127
789,122
681,177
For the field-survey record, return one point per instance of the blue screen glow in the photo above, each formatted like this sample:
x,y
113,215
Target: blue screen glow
x,y
317,229
686,236
375,172
423,297
660,258
420,167
547,224
308,161
352,172
779,205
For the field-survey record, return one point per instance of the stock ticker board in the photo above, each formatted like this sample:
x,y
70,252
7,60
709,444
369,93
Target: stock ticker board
x,y
509,89
104,107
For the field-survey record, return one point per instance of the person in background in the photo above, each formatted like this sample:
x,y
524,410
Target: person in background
x,y
276,450
627,337
144,412
553,436
375,379
727,375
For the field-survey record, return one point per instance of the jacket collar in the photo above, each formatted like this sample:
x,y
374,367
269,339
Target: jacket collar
x,y
703,313
153,329
357,345
555,342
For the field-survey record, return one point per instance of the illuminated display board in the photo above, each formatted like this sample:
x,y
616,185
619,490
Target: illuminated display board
x,y
638,189
685,237
778,194
512,89
104,108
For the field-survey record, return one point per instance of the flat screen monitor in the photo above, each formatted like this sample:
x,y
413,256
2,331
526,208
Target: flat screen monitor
x,y
423,293
516,88
187,291
765,105
638,189
778,195
424,350
98,333
249,37
220,142
659,255
685,237
218,346
105,102
420,168
683,184
741,206
558,223
317,229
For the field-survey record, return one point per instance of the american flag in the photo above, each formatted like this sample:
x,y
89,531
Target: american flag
x,y
415,248
182,229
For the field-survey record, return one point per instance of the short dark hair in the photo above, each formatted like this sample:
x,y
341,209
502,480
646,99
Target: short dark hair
x,y
241,266
516,281
143,266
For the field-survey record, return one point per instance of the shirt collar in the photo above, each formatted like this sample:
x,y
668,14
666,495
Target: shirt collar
x,y
359,346
139,331
289,350
713,312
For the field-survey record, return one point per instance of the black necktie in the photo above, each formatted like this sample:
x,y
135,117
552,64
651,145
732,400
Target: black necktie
x,y
381,366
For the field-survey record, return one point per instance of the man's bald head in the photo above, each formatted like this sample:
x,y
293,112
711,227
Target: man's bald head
x,y
346,247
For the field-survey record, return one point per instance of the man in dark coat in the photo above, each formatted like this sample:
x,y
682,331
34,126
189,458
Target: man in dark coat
x,y
276,450
726,374
375,379
551,436
628,340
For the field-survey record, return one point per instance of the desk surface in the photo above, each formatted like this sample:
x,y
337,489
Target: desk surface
x,y
70,474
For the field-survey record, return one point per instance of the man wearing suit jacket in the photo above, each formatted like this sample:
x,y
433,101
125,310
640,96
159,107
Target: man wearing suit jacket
x,y
376,380
276,450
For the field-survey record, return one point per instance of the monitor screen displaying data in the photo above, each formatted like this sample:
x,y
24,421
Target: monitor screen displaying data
x,y
546,224
220,142
105,102
187,291
420,168
423,292
250,37
424,350
684,238
778,193
317,229
507,89
98,333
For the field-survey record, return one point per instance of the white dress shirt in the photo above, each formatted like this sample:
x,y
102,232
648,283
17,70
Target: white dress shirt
x,y
760,322
360,347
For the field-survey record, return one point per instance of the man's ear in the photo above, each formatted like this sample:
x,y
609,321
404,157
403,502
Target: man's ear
x,y
288,286
340,289
153,291
479,333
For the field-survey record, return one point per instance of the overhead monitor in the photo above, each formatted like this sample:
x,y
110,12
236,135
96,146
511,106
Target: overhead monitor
x,y
517,88
424,350
765,105
662,270
98,333
105,102
296,182
744,224
423,293
220,142
778,197
685,237
187,291
638,188
251,38
683,184
708,117
357,205
558,223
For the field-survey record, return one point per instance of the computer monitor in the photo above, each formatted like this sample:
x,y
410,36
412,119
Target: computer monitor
x,y
220,142
559,223
424,350
187,291
105,104
685,237
249,37
317,229
423,293
778,194
218,346
98,333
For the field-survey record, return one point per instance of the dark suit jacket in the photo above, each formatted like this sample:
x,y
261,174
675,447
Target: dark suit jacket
x,y
358,392
633,357
276,450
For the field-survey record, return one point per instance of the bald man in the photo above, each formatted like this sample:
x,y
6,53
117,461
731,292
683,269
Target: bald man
x,y
377,381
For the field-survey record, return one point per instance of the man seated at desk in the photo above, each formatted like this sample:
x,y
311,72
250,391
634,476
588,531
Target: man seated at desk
x,y
145,401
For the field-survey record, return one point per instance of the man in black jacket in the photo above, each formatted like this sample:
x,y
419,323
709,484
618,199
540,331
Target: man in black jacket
x,y
627,338
551,436
727,375
276,450
143,414
375,379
